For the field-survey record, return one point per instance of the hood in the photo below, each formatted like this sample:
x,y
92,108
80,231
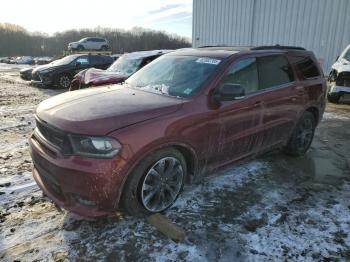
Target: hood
x,y
95,77
25,70
99,111
342,65
44,67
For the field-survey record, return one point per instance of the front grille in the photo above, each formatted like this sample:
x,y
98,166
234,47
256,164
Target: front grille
x,y
343,79
56,137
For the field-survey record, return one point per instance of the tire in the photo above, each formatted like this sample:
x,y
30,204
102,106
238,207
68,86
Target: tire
x,y
333,98
64,81
302,135
104,48
139,198
80,48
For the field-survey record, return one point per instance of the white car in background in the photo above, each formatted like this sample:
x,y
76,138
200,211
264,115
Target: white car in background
x,y
339,77
89,43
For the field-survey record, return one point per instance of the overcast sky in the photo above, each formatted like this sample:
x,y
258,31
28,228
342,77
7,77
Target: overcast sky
x,y
173,16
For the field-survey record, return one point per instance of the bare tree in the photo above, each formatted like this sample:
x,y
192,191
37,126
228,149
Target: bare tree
x,y
17,41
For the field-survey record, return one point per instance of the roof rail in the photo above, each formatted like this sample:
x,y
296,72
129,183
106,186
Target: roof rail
x,y
206,46
282,47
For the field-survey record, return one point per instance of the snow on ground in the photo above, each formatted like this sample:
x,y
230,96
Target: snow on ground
x,y
272,208
328,115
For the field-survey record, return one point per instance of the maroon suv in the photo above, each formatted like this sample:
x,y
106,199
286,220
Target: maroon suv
x,y
190,111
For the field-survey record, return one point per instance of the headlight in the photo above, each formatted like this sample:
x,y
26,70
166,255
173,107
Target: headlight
x,y
95,146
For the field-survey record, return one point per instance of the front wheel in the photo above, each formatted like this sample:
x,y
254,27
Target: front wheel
x,y
155,183
302,136
64,81
80,48
104,48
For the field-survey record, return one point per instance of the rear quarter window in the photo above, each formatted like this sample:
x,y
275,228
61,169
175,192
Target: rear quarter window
x,y
274,70
306,66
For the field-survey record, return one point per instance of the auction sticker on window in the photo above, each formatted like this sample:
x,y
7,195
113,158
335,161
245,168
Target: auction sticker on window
x,y
206,60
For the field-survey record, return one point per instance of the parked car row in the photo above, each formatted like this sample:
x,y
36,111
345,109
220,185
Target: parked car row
x,y
26,60
84,70
119,71
135,145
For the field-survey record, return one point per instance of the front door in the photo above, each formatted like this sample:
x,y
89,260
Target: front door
x,y
82,62
237,134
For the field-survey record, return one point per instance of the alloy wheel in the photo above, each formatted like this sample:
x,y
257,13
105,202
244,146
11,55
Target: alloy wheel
x,y
305,134
162,184
64,81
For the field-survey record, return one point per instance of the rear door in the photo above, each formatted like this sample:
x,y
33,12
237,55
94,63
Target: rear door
x,y
239,120
89,44
311,86
276,85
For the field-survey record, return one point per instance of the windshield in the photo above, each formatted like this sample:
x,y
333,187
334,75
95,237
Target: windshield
x,y
347,55
125,65
174,75
64,61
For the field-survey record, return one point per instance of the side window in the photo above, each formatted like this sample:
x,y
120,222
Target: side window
x,y
345,54
83,60
274,70
244,73
306,66
97,59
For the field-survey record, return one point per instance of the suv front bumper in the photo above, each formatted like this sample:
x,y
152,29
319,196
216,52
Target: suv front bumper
x,y
86,186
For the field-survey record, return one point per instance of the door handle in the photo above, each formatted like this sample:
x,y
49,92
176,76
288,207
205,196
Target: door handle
x,y
300,90
257,103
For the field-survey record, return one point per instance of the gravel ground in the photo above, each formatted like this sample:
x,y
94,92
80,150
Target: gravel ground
x,y
270,208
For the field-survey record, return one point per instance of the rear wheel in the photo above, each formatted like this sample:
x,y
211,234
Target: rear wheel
x,y
155,183
64,81
80,48
104,48
333,98
302,136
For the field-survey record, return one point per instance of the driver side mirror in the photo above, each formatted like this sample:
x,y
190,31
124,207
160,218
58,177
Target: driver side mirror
x,y
229,92
77,64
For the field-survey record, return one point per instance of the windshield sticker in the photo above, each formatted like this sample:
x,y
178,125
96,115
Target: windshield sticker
x,y
205,60
188,91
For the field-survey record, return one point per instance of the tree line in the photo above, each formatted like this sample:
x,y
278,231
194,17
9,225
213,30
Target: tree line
x,y
17,41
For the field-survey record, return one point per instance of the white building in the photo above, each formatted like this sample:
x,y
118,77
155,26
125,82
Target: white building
x,y
322,26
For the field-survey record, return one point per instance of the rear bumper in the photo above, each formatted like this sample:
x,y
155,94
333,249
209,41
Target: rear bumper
x,y
86,186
